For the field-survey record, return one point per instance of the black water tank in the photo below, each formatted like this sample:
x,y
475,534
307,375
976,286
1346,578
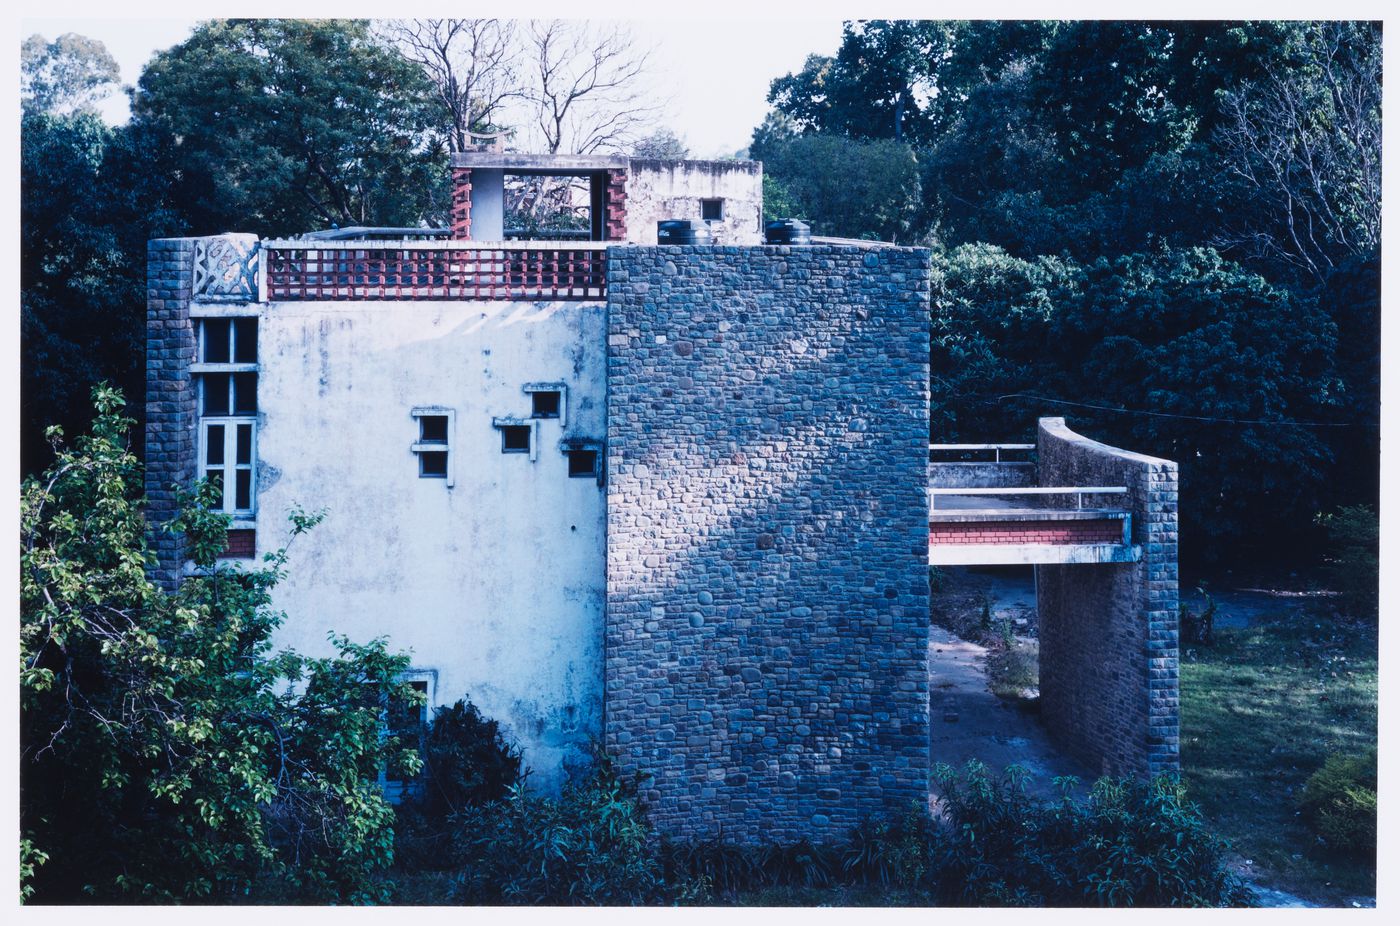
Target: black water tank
x,y
682,231
787,231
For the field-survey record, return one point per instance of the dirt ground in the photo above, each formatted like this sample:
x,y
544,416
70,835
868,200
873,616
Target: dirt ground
x,y
967,721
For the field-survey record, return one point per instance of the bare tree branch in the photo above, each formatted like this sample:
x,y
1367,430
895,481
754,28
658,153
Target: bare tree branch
x,y
588,88
471,62
1303,143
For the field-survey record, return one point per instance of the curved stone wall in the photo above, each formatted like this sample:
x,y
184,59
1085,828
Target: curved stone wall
x,y
1108,632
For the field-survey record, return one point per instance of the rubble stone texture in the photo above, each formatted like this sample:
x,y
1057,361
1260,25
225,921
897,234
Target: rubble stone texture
x,y
1108,633
170,397
767,585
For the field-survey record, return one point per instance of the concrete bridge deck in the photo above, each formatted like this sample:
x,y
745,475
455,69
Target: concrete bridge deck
x,y
1017,527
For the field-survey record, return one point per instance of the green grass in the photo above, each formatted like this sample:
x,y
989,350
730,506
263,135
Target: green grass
x,y
1261,710
1013,669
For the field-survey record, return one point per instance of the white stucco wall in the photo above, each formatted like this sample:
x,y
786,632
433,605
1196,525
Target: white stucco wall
x,y
495,585
658,190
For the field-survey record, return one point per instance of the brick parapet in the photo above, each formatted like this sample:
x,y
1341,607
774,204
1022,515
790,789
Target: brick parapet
x,y
170,398
615,205
1109,658
767,569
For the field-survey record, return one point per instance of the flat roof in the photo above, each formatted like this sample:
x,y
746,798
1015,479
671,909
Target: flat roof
x,y
516,162
545,163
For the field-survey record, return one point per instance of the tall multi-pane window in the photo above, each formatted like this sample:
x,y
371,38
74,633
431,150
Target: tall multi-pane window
x,y
226,448
226,380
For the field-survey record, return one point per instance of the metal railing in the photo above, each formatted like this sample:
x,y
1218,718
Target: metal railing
x,y
1077,491
462,270
998,448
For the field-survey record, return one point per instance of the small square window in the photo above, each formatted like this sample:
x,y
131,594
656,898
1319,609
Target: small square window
x,y
515,438
432,429
583,464
432,464
712,210
544,405
434,444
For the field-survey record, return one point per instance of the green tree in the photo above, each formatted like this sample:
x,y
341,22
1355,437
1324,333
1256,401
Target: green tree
x,y
285,125
844,187
663,143
166,754
70,74
1301,147
91,195
1176,353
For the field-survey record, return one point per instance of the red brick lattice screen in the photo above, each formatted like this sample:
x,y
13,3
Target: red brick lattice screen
x,y
398,272
1098,530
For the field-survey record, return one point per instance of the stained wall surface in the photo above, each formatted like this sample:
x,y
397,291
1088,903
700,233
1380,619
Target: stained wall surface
x,y
494,584
767,565
663,189
1108,632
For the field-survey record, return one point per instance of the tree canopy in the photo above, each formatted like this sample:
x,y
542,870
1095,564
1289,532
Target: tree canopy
x,y
165,752
70,74
1139,164
285,125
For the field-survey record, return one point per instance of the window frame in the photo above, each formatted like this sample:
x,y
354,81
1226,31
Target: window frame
x,y
230,465
500,424
396,789
202,376
420,446
718,202
559,387
571,445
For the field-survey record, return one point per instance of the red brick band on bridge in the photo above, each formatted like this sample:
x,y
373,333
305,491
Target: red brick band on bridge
x,y
1099,530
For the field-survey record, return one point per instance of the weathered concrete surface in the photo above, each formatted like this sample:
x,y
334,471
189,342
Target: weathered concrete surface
x,y
523,162
767,535
1108,633
659,190
981,475
495,584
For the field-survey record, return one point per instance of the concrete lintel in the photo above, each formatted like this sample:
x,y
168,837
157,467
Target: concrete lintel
x,y
1019,554
513,161
1026,514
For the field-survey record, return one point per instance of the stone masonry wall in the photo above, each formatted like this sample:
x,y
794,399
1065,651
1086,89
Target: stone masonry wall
x,y
170,400
767,569
1108,633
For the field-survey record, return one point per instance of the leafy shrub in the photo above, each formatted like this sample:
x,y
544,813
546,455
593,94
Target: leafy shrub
x,y
1353,558
212,769
1128,844
891,853
1014,667
589,846
466,761
1339,802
